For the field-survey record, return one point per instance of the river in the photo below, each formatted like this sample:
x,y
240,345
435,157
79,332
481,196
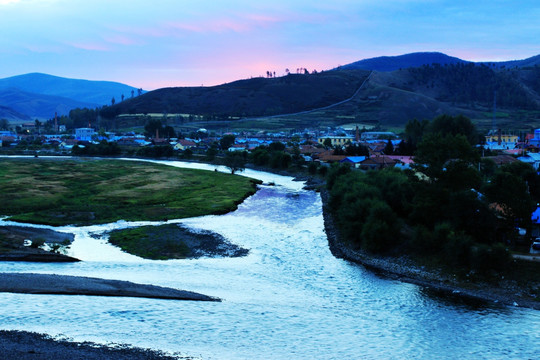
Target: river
x,y
288,299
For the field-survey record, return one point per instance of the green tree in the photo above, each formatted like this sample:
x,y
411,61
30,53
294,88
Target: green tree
x,y
389,148
436,150
4,124
235,161
454,125
227,141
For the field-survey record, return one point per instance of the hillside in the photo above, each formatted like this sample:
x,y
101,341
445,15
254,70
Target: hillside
x,y
248,98
392,63
94,92
39,106
12,115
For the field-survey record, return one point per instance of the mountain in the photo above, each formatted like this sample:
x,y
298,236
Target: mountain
x,y
418,59
38,105
392,63
12,115
529,62
92,92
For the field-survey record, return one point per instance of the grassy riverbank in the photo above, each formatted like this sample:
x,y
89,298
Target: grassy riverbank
x,y
173,241
83,192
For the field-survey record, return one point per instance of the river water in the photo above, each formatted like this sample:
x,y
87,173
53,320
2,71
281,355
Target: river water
x,y
288,299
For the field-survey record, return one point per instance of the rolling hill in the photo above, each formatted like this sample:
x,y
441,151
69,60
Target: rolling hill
x,y
392,63
395,90
248,98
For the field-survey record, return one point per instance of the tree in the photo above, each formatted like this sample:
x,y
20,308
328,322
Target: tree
x,y
455,125
227,141
389,148
4,124
235,161
113,101
151,126
510,193
435,150
132,93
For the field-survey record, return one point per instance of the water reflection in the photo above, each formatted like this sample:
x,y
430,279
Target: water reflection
x,y
289,298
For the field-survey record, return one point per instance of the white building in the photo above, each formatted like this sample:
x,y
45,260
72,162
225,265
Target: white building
x,y
84,134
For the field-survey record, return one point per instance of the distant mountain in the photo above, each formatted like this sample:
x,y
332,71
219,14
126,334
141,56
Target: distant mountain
x,y
529,62
12,115
39,95
93,92
392,63
38,105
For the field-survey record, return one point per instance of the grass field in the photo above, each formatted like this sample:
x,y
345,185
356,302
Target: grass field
x,y
82,192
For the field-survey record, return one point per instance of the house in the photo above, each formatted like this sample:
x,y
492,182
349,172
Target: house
x,y
237,147
329,157
377,162
402,162
336,140
496,140
376,135
184,144
353,160
84,134
532,158
501,159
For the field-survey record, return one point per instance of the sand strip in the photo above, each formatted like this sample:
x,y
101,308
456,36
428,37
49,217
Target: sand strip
x,y
28,283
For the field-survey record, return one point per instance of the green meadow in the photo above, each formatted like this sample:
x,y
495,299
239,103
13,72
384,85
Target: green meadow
x,y
83,192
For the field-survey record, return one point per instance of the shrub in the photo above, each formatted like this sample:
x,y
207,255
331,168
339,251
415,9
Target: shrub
x,y
381,231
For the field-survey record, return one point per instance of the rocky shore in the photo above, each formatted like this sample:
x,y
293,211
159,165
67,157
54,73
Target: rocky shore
x,y
22,345
19,243
403,269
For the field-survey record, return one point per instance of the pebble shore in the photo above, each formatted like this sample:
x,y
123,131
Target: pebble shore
x,y
402,269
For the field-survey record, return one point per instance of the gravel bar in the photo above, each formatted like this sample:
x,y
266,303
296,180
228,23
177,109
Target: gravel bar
x,y
28,283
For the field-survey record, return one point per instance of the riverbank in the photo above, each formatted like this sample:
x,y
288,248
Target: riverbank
x,y
28,283
404,269
23,345
174,241
19,243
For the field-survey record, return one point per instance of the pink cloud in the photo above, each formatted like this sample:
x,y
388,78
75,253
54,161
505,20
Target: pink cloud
x,y
91,46
121,40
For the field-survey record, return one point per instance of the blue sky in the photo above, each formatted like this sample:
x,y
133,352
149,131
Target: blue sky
x,y
152,44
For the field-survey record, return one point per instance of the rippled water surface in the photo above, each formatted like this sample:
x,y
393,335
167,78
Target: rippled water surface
x,y
288,299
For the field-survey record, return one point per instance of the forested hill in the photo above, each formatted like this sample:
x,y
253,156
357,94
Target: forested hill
x,y
391,63
470,84
251,97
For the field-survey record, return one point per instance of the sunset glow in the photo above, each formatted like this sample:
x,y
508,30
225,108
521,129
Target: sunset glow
x,y
172,43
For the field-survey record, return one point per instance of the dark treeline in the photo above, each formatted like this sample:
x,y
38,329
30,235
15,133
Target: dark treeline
x,y
469,83
453,208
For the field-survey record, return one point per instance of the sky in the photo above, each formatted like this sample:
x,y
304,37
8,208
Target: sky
x,y
162,43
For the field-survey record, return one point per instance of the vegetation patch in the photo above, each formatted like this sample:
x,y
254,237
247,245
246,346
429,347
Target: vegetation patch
x,y
173,241
84,192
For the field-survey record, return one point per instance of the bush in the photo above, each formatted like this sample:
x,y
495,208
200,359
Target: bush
x,y
381,231
36,243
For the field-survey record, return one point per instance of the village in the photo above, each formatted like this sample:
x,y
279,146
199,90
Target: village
x,y
361,148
